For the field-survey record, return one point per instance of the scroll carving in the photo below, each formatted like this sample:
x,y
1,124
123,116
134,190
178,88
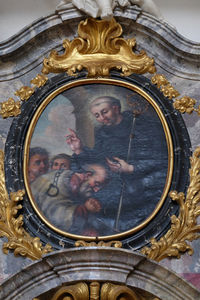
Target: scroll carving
x,y
11,225
98,291
98,49
184,227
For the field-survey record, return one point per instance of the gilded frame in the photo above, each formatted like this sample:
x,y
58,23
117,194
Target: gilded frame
x,y
160,114
134,237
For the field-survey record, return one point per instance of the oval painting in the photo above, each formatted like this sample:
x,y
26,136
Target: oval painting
x,y
98,159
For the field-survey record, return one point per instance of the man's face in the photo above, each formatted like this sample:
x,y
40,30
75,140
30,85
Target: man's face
x,y
38,165
85,184
105,113
96,177
61,163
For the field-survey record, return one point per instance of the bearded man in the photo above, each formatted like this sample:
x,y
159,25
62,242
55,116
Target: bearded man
x,y
65,198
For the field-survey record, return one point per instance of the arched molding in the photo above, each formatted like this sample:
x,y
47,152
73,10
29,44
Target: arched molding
x,y
118,266
26,50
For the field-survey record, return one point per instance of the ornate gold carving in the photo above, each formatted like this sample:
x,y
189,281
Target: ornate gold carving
x,y
97,291
166,88
79,291
184,104
39,80
184,227
159,80
169,91
24,92
10,108
94,290
110,291
99,48
11,225
115,244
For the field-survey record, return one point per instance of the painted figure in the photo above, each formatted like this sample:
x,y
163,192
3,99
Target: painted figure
x,y
123,140
60,161
38,163
66,198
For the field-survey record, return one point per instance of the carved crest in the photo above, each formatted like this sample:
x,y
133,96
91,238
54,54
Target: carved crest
x,y
98,49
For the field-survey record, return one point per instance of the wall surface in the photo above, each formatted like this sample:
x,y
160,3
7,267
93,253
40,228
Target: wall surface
x,y
14,15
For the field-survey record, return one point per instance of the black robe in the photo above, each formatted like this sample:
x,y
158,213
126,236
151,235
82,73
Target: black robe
x,y
141,190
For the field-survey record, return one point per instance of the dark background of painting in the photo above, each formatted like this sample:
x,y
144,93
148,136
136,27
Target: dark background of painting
x,y
14,158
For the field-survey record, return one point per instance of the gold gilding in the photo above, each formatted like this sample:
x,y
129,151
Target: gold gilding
x,y
82,243
184,227
184,104
169,91
24,93
11,224
79,291
169,146
98,291
39,80
159,80
98,49
10,108
166,88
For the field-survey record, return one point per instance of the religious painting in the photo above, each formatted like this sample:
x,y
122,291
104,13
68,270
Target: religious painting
x,y
99,159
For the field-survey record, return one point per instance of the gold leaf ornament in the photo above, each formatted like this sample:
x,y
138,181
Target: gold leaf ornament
x,y
10,108
184,228
115,244
98,49
169,91
39,80
185,104
24,93
11,226
159,80
163,84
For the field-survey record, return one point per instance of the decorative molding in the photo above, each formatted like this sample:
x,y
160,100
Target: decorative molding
x,y
147,28
184,227
24,93
98,49
115,244
39,80
79,291
11,224
184,104
12,108
98,291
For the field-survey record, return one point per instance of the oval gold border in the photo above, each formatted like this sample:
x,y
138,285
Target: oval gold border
x,y
168,139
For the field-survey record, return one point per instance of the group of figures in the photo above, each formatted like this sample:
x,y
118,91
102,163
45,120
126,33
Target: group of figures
x,y
111,187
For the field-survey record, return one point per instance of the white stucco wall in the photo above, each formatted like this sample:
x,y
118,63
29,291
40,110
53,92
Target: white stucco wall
x,y
14,15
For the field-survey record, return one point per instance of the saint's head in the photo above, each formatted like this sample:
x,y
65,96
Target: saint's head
x,y
106,110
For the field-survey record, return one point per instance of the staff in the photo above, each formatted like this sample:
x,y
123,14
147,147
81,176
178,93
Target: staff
x,y
136,111
127,160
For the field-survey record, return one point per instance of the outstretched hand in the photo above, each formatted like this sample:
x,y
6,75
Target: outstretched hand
x,y
73,141
119,165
